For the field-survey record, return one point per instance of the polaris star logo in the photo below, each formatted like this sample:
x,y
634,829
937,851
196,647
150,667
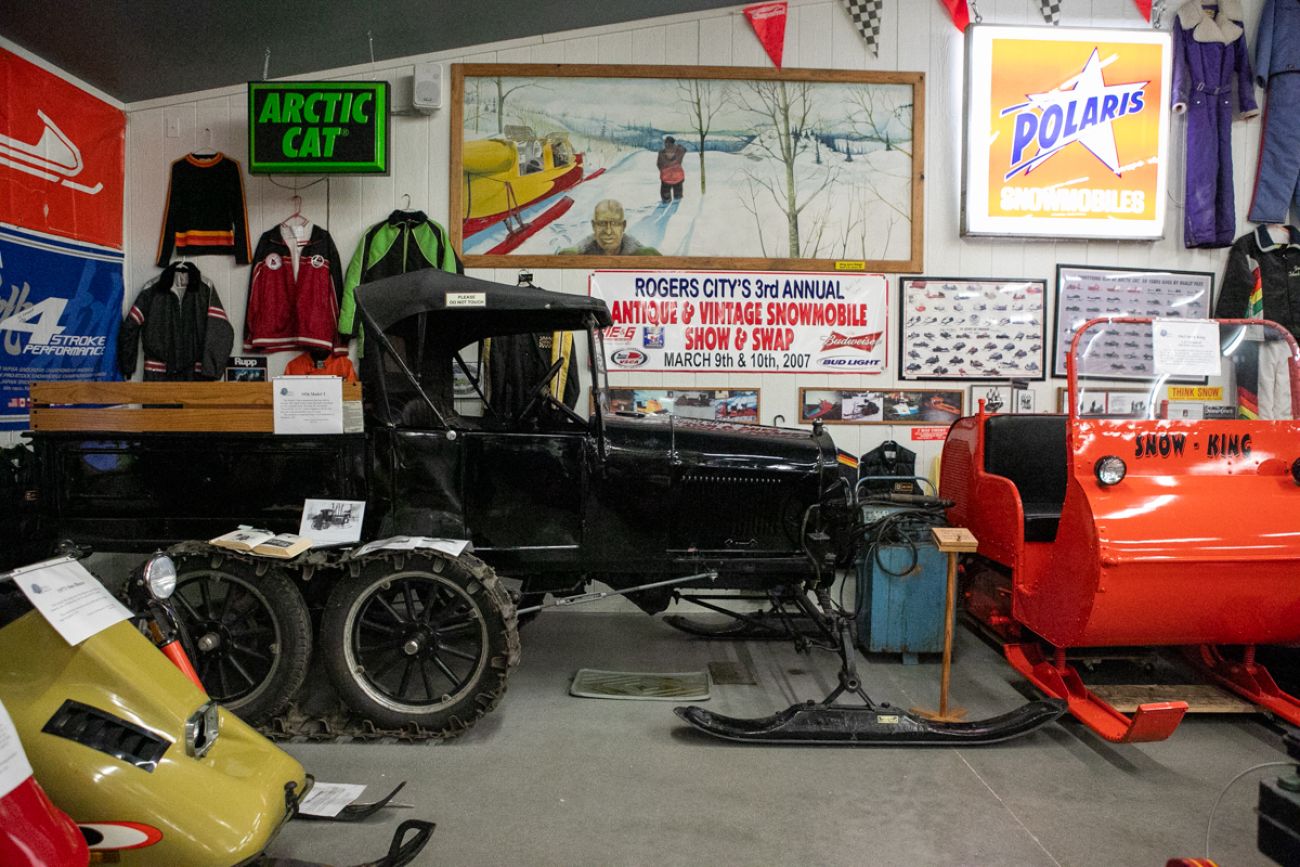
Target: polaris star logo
x,y
865,342
1084,113
630,358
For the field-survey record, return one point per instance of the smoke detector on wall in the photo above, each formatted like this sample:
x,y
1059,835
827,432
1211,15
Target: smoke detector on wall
x,y
426,93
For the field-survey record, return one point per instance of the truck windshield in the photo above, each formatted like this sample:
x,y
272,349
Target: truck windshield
x,y
1135,368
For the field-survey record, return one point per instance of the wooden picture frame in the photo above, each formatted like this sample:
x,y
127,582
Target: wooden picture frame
x,y
736,405
896,406
1129,402
535,148
972,328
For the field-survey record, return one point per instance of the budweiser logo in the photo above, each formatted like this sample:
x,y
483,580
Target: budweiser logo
x,y
865,342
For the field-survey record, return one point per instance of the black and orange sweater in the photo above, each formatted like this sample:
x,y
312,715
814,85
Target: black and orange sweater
x,y
205,213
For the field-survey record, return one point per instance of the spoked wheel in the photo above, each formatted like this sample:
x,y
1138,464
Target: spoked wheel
x,y
429,641
250,634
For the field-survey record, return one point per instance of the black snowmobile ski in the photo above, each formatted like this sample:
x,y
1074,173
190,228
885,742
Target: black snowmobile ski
x,y
877,725
829,723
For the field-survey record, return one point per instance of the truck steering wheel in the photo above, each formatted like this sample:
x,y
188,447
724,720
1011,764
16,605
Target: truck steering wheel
x,y
539,392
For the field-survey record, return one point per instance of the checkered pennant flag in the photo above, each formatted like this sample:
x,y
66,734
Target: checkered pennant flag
x,y
866,16
1051,11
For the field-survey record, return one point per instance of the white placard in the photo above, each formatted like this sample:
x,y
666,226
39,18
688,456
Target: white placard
x,y
744,321
14,767
308,404
329,799
451,547
70,598
466,299
1186,348
332,522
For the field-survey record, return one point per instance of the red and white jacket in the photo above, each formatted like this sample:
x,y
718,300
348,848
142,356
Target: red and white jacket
x,y
179,320
294,292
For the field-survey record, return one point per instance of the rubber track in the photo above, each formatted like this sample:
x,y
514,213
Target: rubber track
x,y
342,725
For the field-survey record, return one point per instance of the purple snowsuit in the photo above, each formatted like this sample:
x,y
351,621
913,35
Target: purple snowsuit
x,y
1208,50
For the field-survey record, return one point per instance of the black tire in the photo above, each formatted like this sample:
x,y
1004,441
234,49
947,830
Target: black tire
x,y
420,639
249,634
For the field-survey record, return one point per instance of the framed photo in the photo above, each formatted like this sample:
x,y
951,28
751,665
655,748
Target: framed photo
x,y
997,398
722,404
587,166
1086,292
1105,402
953,328
924,406
1022,401
1067,132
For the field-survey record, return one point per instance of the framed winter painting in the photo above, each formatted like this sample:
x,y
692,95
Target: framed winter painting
x,y
955,328
585,166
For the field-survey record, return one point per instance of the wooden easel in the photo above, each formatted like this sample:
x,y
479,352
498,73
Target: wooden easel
x,y
951,541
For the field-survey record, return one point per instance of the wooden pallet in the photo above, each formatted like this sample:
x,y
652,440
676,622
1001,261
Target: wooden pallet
x,y
158,406
1200,697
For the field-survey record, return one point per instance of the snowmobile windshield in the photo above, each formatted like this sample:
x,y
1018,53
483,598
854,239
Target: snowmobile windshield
x,y
1142,368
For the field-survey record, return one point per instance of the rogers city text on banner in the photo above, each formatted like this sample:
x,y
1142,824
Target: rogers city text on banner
x,y
1066,132
742,321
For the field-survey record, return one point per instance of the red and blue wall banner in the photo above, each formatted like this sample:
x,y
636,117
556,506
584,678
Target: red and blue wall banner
x,y
60,308
61,183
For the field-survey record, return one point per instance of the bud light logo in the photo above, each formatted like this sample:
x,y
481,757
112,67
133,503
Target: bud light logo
x,y
630,358
1081,109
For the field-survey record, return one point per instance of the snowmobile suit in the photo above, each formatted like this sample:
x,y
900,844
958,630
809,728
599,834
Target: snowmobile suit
x,y
405,241
1277,68
294,292
1208,50
517,362
184,328
205,213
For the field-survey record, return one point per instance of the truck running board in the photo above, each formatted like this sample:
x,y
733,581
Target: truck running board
x,y
813,724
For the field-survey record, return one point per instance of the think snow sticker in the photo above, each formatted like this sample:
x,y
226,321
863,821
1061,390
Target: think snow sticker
x,y
466,299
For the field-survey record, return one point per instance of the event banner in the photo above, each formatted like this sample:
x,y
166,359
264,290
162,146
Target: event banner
x,y
60,306
1067,132
744,321
61,163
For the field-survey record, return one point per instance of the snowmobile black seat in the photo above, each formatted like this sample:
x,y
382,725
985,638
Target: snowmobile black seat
x,y
1030,451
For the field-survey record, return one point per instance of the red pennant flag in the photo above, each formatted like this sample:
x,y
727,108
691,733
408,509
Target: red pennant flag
x,y
768,21
960,14
1144,6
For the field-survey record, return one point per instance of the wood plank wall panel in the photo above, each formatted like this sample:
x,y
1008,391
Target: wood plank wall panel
x,y
915,35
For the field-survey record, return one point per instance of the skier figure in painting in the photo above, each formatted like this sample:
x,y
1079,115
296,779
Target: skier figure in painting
x,y
672,176
608,235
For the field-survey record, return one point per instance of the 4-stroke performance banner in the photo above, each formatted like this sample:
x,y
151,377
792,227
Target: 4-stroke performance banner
x,y
744,321
60,307
1067,132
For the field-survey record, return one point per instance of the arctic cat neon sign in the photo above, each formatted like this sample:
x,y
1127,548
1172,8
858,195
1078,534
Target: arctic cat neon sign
x,y
318,127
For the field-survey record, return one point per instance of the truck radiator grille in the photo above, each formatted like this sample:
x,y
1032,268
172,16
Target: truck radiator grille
x,y
102,731
734,511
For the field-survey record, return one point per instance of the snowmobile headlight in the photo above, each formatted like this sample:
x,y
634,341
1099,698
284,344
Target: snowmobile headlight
x,y
160,576
1110,470
201,730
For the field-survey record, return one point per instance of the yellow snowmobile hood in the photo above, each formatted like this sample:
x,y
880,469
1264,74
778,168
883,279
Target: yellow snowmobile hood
x,y
219,810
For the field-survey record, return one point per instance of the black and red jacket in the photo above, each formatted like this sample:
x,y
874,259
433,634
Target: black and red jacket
x,y
294,292
182,326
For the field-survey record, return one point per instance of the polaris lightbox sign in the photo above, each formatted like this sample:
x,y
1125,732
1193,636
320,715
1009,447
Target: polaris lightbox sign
x,y
318,127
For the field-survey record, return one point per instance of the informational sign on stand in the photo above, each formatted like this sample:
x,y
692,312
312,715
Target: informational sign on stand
x,y
14,767
744,321
70,598
1184,348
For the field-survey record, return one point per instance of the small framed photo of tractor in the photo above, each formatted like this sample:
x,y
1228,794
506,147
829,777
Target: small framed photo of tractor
x,y
739,405
928,406
1121,351
954,328
594,166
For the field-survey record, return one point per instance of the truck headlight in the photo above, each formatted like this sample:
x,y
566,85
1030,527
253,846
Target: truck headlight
x,y
1110,470
160,576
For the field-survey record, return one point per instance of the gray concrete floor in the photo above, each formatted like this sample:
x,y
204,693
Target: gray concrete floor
x,y
548,779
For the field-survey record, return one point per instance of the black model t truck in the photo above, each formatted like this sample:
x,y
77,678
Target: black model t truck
x,y
418,635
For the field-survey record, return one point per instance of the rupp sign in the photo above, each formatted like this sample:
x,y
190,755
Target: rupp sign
x,y
744,321
318,127
1066,132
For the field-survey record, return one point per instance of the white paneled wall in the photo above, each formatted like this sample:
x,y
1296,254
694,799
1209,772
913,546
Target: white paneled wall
x,y
916,36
